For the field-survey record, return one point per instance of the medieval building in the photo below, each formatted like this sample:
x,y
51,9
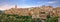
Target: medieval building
x,y
35,12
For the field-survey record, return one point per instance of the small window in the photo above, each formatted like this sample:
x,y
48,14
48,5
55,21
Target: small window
x,y
42,12
58,11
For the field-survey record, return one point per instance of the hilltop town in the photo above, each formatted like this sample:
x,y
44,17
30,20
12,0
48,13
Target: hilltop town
x,y
39,12
43,13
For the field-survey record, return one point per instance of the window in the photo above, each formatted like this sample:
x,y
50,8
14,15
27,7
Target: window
x,y
42,12
58,11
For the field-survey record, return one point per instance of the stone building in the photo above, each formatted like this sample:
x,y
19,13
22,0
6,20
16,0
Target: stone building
x,y
36,12
18,11
57,11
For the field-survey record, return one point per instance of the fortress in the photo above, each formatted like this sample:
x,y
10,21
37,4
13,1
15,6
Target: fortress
x,y
35,12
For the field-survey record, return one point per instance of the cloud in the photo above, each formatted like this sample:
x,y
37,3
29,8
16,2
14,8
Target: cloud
x,y
47,3
27,6
52,2
6,6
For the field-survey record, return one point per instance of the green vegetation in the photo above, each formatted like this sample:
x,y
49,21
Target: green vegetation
x,y
36,20
52,19
14,18
17,18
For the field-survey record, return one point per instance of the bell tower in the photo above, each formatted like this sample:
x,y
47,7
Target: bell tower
x,y
15,6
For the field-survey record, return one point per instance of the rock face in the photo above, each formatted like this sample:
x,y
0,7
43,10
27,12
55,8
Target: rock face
x,y
36,12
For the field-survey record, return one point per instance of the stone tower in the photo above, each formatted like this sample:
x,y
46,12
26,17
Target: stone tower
x,y
15,6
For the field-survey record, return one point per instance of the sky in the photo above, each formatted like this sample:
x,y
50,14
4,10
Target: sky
x,y
6,4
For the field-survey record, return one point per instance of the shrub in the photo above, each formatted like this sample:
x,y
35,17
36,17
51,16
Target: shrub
x,y
52,19
14,18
